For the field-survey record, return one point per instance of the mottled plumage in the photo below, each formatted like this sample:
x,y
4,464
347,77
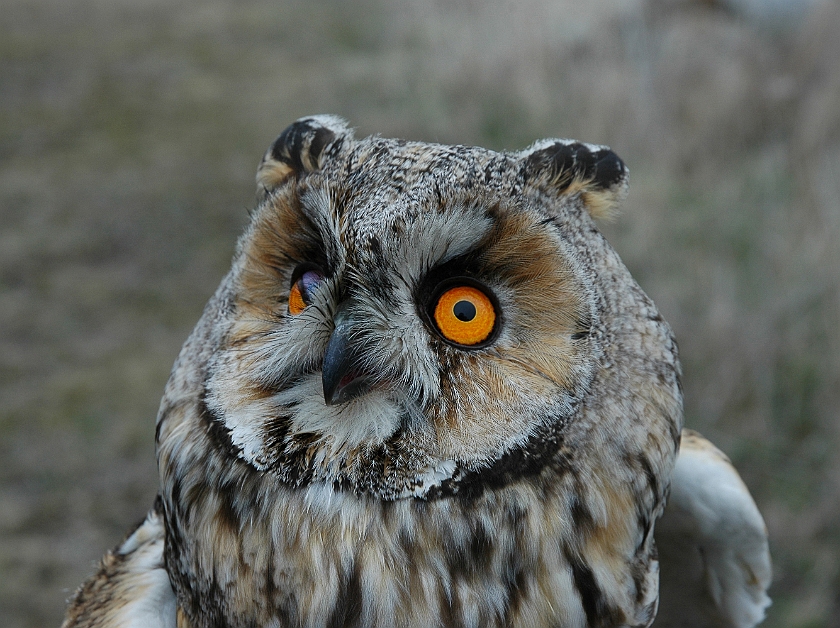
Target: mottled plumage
x,y
331,455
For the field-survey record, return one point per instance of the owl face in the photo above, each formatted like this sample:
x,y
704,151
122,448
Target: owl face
x,y
401,317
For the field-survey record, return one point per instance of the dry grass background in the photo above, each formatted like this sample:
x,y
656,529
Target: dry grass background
x,y
129,135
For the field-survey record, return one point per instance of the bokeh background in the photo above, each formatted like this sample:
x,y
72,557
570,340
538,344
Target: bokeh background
x,y
130,131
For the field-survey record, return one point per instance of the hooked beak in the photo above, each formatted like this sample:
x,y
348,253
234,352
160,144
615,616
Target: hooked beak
x,y
342,374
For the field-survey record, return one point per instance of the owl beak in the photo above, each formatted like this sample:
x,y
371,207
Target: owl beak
x,y
342,374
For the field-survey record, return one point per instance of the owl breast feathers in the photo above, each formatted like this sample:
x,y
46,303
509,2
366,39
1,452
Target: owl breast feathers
x,y
428,393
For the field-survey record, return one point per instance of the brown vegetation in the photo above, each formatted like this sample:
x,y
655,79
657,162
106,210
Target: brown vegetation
x,y
129,137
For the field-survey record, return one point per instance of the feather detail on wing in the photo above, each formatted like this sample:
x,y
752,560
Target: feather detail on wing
x,y
131,589
714,557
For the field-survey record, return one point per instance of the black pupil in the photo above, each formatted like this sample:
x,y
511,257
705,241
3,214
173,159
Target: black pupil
x,y
464,311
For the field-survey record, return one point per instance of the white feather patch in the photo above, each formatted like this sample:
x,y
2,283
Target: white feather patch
x,y
150,601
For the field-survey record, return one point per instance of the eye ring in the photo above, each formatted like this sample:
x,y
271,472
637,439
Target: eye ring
x,y
465,313
305,280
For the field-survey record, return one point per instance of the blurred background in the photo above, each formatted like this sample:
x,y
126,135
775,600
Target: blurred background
x,y
130,131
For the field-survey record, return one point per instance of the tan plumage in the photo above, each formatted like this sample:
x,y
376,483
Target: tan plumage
x,y
331,455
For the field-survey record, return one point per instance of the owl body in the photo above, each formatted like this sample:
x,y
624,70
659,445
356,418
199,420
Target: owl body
x,y
337,448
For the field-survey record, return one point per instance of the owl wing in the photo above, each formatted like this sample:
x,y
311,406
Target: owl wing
x,y
712,541
131,589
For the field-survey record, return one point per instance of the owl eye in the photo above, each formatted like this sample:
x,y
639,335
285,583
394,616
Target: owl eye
x,y
464,315
300,294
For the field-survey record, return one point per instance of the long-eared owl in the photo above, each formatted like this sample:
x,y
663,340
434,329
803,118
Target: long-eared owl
x,y
427,393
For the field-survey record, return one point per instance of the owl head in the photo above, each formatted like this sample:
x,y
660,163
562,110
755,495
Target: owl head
x,y
402,318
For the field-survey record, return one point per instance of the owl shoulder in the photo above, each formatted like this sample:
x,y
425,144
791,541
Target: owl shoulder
x,y
713,548
131,588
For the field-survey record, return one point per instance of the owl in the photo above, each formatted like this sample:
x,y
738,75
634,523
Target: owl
x,y
427,393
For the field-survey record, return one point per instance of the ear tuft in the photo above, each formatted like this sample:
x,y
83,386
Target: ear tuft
x,y
301,147
568,167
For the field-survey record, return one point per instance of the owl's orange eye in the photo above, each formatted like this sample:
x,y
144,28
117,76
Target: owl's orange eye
x,y
465,315
300,294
